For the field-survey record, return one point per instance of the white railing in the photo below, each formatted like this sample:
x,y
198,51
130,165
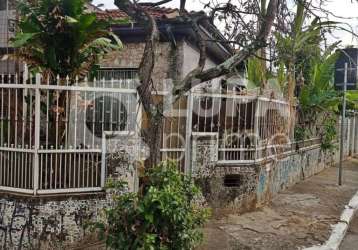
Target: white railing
x,y
248,128
234,128
51,132
55,135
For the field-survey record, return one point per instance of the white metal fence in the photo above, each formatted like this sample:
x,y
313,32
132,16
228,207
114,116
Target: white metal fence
x,y
238,128
352,134
55,135
51,133
247,128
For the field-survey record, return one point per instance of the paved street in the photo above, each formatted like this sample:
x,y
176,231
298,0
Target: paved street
x,y
298,217
351,240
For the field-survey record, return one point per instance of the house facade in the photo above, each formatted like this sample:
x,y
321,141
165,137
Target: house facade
x,y
7,29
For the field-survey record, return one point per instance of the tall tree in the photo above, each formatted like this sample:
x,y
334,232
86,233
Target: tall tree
x,y
196,76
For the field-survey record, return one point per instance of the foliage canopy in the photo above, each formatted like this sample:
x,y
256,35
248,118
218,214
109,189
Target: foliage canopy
x,y
60,37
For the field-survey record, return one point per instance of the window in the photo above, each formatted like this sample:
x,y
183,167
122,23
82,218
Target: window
x,y
3,4
113,111
107,114
119,77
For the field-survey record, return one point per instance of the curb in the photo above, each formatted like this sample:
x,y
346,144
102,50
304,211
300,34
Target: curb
x,y
339,230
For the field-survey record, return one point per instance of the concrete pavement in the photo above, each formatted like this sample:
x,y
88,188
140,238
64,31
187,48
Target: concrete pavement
x,y
299,217
350,242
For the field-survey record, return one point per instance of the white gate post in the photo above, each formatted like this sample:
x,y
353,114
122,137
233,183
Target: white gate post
x,y
103,160
37,133
256,128
188,137
351,131
356,133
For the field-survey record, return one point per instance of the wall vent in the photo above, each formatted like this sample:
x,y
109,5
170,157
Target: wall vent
x,y
232,180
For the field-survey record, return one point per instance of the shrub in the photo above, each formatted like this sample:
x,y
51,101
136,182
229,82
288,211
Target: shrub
x,y
163,215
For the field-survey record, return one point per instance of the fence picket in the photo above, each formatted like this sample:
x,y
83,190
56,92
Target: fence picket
x,y
50,130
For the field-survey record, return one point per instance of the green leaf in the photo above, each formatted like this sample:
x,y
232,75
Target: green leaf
x,y
62,47
21,39
70,20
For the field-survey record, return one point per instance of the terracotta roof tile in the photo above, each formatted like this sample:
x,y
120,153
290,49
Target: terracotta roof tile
x,y
157,12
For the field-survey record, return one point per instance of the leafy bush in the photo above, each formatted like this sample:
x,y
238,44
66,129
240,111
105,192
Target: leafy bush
x,y
319,103
163,216
330,133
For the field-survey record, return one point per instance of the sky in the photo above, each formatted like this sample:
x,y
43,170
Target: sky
x,y
343,8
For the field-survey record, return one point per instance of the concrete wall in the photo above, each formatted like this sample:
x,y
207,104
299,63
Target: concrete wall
x,y
258,184
279,175
46,224
168,64
191,59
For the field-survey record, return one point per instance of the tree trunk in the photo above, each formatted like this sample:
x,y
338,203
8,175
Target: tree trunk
x,y
153,110
291,96
262,51
153,138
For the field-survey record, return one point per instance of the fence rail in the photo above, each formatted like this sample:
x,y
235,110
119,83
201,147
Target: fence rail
x,y
55,135
247,128
51,131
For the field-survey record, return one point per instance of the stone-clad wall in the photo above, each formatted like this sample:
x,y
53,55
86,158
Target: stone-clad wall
x,y
36,224
55,222
168,64
258,184
47,224
278,175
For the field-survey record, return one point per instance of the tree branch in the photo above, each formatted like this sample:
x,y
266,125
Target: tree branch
x,y
182,6
136,12
155,4
227,66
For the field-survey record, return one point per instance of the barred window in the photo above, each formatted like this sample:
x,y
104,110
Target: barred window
x,y
3,4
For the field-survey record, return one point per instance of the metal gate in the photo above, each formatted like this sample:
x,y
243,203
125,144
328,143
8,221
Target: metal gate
x,y
51,132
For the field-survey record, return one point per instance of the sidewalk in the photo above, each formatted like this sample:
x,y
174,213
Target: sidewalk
x,y
298,217
351,240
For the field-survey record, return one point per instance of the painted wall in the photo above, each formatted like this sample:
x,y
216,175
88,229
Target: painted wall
x,y
258,184
171,62
36,224
191,59
276,176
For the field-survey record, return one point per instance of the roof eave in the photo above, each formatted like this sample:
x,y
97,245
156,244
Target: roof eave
x,y
181,30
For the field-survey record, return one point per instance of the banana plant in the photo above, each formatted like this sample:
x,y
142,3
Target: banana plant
x,y
319,102
352,98
60,37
